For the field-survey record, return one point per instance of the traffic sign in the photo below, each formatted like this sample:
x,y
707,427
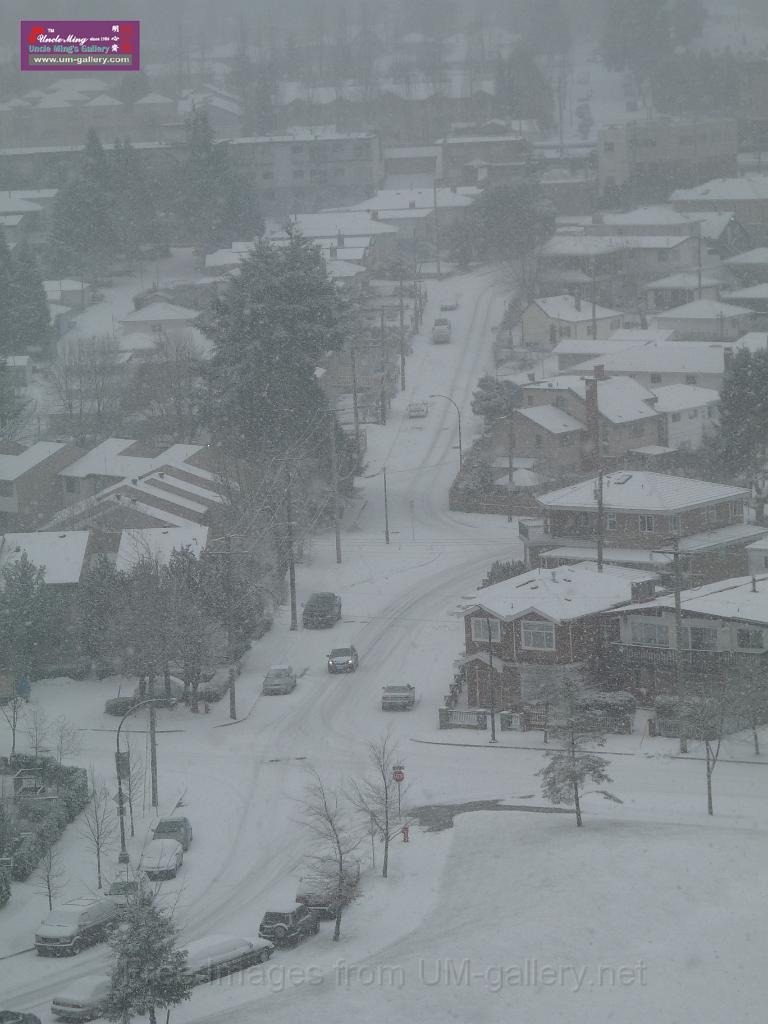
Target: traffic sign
x,y
398,774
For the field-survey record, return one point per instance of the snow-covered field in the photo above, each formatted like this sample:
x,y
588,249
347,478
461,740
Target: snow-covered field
x,y
651,911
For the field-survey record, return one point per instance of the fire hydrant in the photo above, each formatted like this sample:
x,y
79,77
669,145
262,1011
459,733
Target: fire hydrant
x,y
405,830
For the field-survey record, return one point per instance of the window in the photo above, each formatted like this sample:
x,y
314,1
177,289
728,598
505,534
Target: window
x,y
691,378
737,510
645,524
297,150
638,429
610,521
538,636
6,488
650,634
590,330
564,331
675,417
480,630
71,485
693,414
655,378
699,638
531,400
538,441
710,514
674,524
749,639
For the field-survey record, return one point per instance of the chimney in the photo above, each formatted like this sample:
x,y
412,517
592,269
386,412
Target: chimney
x,y
600,372
339,240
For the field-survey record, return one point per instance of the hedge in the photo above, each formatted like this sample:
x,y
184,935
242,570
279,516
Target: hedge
x,y
5,887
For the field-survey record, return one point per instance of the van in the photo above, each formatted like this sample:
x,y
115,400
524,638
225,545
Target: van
x,y
74,925
82,999
218,955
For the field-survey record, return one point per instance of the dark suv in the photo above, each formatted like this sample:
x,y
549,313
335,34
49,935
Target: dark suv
x,y
290,927
321,610
179,829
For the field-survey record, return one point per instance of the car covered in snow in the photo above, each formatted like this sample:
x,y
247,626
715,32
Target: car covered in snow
x,y
74,925
441,331
398,698
319,889
161,858
279,680
123,890
418,410
16,1017
343,659
289,927
179,829
218,955
82,998
321,610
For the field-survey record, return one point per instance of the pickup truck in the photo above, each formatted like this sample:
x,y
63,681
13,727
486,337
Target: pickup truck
x,y
441,331
398,698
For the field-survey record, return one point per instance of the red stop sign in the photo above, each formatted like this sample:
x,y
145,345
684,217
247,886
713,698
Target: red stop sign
x,y
398,774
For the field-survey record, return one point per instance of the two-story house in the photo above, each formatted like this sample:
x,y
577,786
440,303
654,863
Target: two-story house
x,y
724,630
644,515
29,482
527,632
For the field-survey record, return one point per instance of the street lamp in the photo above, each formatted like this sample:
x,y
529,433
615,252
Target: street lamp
x,y
123,857
458,413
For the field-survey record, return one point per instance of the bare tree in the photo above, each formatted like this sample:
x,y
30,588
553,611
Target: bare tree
x,y
327,820
167,387
51,877
37,729
13,713
136,781
66,738
377,798
704,719
89,383
99,823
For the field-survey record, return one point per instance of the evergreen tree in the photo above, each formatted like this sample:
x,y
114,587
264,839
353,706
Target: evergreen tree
x,y
135,213
744,412
83,238
100,597
28,311
495,399
148,970
95,166
510,221
30,618
276,319
204,184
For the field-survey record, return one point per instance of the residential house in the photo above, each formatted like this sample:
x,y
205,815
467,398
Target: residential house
x,y
572,352
527,633
689,416
641,514
458,153
68,292
353,235
63,556
549,320
707,320
680,289
30,490
755,297
724,633
646,153
757,557
749,267
617,411
746,196
157,317
158,544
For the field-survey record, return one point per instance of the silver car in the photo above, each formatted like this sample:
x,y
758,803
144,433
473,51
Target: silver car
x,y
280,679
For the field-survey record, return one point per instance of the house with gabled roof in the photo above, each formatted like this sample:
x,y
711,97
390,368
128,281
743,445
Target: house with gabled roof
x,y
544,624
30,489
548,320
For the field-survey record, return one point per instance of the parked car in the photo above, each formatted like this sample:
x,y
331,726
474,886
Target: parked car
x,y
398,698
82,999
418,410
16,1017
218,955
441,331
343,659
161,858
75,925
321,610
120,705
178,693
318,889
289,927
123,890
280,679
179,829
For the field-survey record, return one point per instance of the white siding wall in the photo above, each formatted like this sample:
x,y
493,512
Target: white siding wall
x,y
691,426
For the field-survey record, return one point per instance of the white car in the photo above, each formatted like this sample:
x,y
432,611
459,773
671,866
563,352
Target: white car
x,y
218,955
82,999
161,858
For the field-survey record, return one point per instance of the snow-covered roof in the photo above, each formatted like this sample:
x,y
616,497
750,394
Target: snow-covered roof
x,y
14,466
686,279
712,223
590,347
551,419
704,309
160,311
560,595
759,545
642,492
754,257
104,101
639,335
746,187
564,307
672,357
742,599
636,556
619,399
348,223
158,544
60,554
675,397
756,291
152,98
342,268
644,216
408,152
578,244
110,458
400,199
11,204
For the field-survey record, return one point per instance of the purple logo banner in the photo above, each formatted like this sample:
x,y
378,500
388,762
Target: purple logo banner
x,y
56,45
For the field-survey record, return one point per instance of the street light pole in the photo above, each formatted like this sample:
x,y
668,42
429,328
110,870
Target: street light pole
x,y
386,507
458,413
123,858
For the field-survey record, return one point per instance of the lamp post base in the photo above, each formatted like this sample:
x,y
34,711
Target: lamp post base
x,y
123,857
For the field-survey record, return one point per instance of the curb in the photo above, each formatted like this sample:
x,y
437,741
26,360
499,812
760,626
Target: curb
x,y
8,956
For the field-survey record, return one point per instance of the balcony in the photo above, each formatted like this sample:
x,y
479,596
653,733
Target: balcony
x,y
692,660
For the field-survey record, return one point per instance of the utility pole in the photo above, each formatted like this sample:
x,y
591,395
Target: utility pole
x,y
383,376
355,405
491,684
291,563
228,582
698,241
386,507
679,678
437,229
593,283
600,516
335,484
402,336
153,747
511,454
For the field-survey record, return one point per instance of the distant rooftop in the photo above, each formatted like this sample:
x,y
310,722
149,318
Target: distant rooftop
x,y
61,555
14,466
642,492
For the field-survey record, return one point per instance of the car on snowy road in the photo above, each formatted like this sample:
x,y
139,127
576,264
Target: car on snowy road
x,y
398,698
161,858
321,610
74,925
343,659
215,956
82,998
179,829
279,680
289,927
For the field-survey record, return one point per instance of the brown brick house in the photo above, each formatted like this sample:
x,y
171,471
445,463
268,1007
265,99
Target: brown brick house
x,y
543,625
